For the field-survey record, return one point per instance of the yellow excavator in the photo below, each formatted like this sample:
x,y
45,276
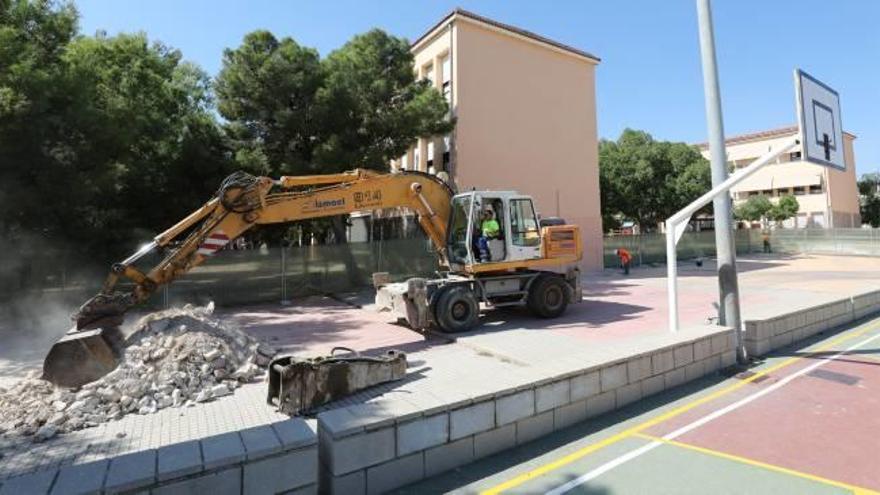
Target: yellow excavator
x,y
525,262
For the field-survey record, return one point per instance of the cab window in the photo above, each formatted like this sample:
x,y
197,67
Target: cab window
x,y
524,223
458,227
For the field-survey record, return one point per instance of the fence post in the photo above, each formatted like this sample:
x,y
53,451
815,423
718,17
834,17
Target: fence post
x,y
284,300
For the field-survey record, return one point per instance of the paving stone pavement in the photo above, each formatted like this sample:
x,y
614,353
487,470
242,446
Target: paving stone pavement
x,y
508,349
244,409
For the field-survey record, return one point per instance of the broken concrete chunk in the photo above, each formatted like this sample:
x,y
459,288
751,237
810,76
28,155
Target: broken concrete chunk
x,y
220,390
109,394
45,433
171,358
261,360
84,394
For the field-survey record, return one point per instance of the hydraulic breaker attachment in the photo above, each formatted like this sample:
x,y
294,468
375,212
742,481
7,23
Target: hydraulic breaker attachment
x,y
296,386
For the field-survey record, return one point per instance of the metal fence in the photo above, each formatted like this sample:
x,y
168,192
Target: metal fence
x,y
651,248
273,274
231,277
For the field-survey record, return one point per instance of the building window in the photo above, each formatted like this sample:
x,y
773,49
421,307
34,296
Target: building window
x,y
524,223
767,192
800,191
816,189
794,156
753,193
430,164
447,79
428,72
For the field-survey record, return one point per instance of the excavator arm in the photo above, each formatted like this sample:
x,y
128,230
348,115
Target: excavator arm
x,y
242,202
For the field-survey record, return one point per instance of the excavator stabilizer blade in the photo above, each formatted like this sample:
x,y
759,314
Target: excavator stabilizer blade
x,y
83,356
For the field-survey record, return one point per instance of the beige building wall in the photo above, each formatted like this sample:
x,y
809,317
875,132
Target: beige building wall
x,y
526,115
828,197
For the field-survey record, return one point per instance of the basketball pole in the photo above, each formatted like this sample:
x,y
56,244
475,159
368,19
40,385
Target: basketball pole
x,y
728,307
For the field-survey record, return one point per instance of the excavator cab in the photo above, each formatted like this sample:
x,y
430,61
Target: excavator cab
x,y
519,237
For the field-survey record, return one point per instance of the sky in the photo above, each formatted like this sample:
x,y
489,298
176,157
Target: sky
x,y
649,78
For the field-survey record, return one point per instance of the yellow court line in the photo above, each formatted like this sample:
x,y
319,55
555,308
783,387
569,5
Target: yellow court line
x,y
589,449
752,462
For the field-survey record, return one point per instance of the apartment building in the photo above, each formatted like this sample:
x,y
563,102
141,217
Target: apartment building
x,y
526,118
828,197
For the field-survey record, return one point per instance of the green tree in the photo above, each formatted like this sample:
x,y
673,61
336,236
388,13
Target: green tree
x,y
869,199
647,180
289,112
267,91
755,209
787,207
103,140
375,107
33,37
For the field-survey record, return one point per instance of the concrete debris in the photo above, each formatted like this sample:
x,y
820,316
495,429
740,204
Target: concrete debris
x,y
173,358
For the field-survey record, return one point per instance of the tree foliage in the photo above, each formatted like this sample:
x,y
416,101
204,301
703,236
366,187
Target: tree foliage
x,y
786,207
100,137
646,180
869,199
754,209
291,112
761,209
105,140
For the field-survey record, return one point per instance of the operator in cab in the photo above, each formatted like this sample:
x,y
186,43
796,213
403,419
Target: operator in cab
x,y
489,229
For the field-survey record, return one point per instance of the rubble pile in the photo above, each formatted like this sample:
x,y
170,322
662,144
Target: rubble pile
x,y
174,358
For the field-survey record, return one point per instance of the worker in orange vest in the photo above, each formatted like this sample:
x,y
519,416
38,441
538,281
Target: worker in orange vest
x,y
625,259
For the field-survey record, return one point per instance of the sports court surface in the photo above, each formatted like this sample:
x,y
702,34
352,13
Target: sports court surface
x,y
806,420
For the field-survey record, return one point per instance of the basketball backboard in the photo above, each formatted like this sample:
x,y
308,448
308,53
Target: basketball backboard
x,y
818,108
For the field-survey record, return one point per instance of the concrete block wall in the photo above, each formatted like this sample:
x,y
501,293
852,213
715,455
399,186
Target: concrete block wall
x,y
269,459
765,335
363,455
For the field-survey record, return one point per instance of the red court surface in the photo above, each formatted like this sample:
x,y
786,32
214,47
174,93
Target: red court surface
x,y
824,423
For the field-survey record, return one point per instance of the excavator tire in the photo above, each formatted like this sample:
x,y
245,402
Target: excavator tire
x,y
457,309
548,296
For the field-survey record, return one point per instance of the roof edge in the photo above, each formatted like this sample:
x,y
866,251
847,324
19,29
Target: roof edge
x,y
504,27
760,135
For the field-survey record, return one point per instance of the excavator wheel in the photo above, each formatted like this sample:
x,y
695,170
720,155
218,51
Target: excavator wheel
x,y
457,309
548,296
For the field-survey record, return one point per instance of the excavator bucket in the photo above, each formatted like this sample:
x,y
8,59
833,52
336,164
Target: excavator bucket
x,y
92,348
82,356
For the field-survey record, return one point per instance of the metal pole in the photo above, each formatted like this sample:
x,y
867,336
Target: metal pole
x,y
728,307
671,277
284,300
675,224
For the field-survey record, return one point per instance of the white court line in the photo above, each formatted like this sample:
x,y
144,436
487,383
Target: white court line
x,y
604,468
